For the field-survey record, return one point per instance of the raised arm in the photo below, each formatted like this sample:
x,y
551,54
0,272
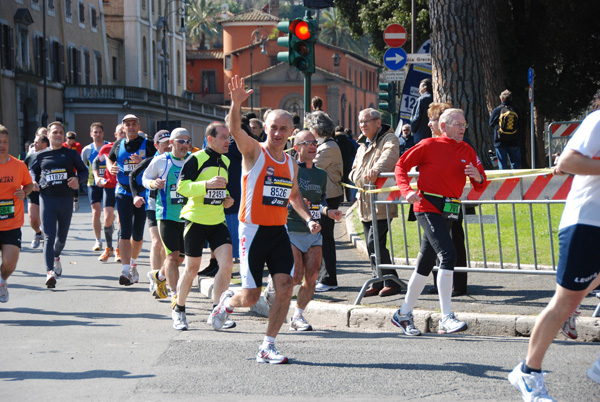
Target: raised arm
x,y
249,147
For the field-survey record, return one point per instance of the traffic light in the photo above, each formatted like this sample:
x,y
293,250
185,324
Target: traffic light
x,y
302,35
387,99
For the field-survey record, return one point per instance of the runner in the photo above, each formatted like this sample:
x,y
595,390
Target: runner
x,y
269,182
15,185
202,182
88,155
40,143
124,156
306,246
71,143
53,171
103,178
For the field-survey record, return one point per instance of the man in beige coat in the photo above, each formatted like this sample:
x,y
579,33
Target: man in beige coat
x,y
378,153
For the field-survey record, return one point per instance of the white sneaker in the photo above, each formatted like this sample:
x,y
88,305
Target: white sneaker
x,y
133,272
300,324
531,386
179,320
220,313
569,327
3,292
324,288
57,267
50,280
97,245
270,354
228,324
449,324
406,322
594,371
37,239
269,293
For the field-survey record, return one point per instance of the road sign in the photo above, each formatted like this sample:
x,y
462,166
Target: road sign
x,y
417,58
394,35
530,93
530,76
394,58
390,76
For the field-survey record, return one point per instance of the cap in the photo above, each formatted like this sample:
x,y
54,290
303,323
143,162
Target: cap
x,y
179,132
130,117
161,136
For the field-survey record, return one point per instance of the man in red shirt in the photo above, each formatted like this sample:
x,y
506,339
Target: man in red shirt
x,y
15,185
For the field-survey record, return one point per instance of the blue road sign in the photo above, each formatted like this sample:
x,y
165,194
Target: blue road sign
x,y
394,58
530,76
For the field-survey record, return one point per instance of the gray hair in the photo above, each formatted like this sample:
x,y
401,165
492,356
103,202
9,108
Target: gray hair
x,y
320,123
446,117
279,112
374,114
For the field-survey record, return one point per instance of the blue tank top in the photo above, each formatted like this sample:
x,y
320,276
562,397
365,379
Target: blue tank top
x,y
168,201
126,166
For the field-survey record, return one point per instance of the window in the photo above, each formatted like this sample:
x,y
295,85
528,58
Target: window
x,y
23,48
7,51
93,19
178,67
143,4
50,5
115,69
57,62
74,65
98,57
154,59
209,82
68,10
38,49
81,13
144,56
361,85
228,62
87,67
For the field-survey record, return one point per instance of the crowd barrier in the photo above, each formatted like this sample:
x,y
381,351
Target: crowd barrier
x,y
513,188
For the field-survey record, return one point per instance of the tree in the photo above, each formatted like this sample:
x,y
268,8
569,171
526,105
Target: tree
x,y
335,31
201,22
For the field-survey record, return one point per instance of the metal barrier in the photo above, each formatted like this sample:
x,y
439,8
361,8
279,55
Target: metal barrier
x,y
481,220
559,133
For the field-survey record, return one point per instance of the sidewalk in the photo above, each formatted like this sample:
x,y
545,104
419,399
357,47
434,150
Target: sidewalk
x,y
496,304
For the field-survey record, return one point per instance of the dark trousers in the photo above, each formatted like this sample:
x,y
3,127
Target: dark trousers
x,y
458,238
329,277
382,230
56,220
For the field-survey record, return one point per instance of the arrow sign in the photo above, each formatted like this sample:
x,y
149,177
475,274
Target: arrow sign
x,y
394,58
530,76
394,35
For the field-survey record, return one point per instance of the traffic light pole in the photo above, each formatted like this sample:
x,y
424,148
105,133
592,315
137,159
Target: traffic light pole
x,y
307,97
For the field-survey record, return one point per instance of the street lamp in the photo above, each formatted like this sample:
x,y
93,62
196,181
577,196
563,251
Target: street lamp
x,y
163,23
255,38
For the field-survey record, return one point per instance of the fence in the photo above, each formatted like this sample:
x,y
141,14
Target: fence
x,y
505,190
559,133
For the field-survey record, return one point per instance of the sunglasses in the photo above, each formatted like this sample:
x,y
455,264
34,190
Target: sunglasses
x,y
307,143
183,142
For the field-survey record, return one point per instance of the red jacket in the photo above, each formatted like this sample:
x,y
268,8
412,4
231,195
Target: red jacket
x,y
442,162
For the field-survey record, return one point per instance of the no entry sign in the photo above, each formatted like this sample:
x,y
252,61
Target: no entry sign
x,y
394,35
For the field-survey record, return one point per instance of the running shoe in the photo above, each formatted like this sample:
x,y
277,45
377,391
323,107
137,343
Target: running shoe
x,y
300,324
75,204
220,313
51,280
406,322
152,283
269,293
57,266
134,274
228,324
321,287
161,287
270,354
569,328
173,300
179,320
594,371
106,254
449,324
531,386
97,245
117,255
37,239
125,280
3,292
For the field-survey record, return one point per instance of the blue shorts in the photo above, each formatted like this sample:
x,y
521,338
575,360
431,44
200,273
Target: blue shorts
x,y
303,240
95,194
578,256
109,197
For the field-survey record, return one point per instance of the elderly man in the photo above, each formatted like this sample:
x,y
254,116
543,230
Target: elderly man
x,y
378,153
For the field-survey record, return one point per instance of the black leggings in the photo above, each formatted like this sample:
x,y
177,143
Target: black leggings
x,y
56,220
436,243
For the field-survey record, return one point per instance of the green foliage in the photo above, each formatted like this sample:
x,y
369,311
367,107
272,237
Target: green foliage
x,y
201,23
335,31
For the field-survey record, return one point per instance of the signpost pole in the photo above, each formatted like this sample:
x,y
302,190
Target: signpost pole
x,y
530,76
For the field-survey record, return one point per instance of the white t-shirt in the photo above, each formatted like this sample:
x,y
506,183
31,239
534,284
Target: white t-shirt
x,y
583,201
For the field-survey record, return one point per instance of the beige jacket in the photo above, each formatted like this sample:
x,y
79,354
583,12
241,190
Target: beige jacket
x,y
329,158
382,154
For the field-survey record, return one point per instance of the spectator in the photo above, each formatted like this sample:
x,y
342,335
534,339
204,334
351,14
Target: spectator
x,y
317,104
378,153
418,118
257,128
348,153
505,120
406,140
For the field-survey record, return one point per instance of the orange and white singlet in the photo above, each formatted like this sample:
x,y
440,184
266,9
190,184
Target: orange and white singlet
x,y
266,190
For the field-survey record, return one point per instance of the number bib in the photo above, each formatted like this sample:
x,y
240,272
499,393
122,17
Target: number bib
x,y
55,177
128,166
315,212
176,198
7,209
276,191
451,208
215,196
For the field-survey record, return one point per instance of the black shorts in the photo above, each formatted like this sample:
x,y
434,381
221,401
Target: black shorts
x,y
109,197
12,237
171,235
578,256
34,197
260,245
151,217
195,235
95,194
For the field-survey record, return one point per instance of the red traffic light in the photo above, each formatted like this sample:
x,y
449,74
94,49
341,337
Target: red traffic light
x,y
301,30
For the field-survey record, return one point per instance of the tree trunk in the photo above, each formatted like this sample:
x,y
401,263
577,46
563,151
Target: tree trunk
x,y
466,70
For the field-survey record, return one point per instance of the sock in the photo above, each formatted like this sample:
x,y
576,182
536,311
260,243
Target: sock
x,y
180,308
108,232
528,370
267,340
133,262
444,285
415,287
125,271
298,312
98,240
2,281
39,233
214,305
